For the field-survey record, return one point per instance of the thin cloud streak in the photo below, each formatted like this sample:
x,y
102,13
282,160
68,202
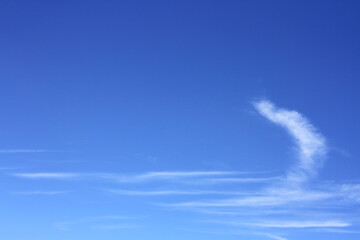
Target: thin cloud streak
x,y
170,192
151,176
324,223
47,175
337,230
272,198
235,232
303,224
185,174
175,175
272,236
236,180
27,151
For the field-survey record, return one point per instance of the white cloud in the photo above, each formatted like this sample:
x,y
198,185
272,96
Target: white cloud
x,y
47,175
150,176
324,223
26,151
311,144
236,180
172,175
302,224
272,197
193,177
170,192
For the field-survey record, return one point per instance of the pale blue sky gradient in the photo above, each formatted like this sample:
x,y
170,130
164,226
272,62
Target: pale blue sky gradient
x,y
144,120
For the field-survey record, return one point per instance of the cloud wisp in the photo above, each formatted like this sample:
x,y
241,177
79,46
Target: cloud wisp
x,y
47,175
290,223
27,151
237,180
272,236
201,176
311,144
273,198
303,224
170,192
168,176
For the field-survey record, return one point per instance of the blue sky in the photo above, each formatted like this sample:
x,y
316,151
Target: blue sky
x,y
179,120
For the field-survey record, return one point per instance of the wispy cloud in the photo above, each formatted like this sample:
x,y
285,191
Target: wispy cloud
x,y
169,175
44,175
27,151
150,176
170,192
272,197
325,223
337,230
303,224
311,144
236,180
184,174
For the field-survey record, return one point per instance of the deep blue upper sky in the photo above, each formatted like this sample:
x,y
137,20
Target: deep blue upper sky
x,y
105,90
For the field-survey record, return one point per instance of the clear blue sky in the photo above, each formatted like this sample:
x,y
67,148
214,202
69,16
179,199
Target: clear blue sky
x,y
144,120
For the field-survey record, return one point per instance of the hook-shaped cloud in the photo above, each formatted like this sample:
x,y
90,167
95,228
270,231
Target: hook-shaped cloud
x,y
311,144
